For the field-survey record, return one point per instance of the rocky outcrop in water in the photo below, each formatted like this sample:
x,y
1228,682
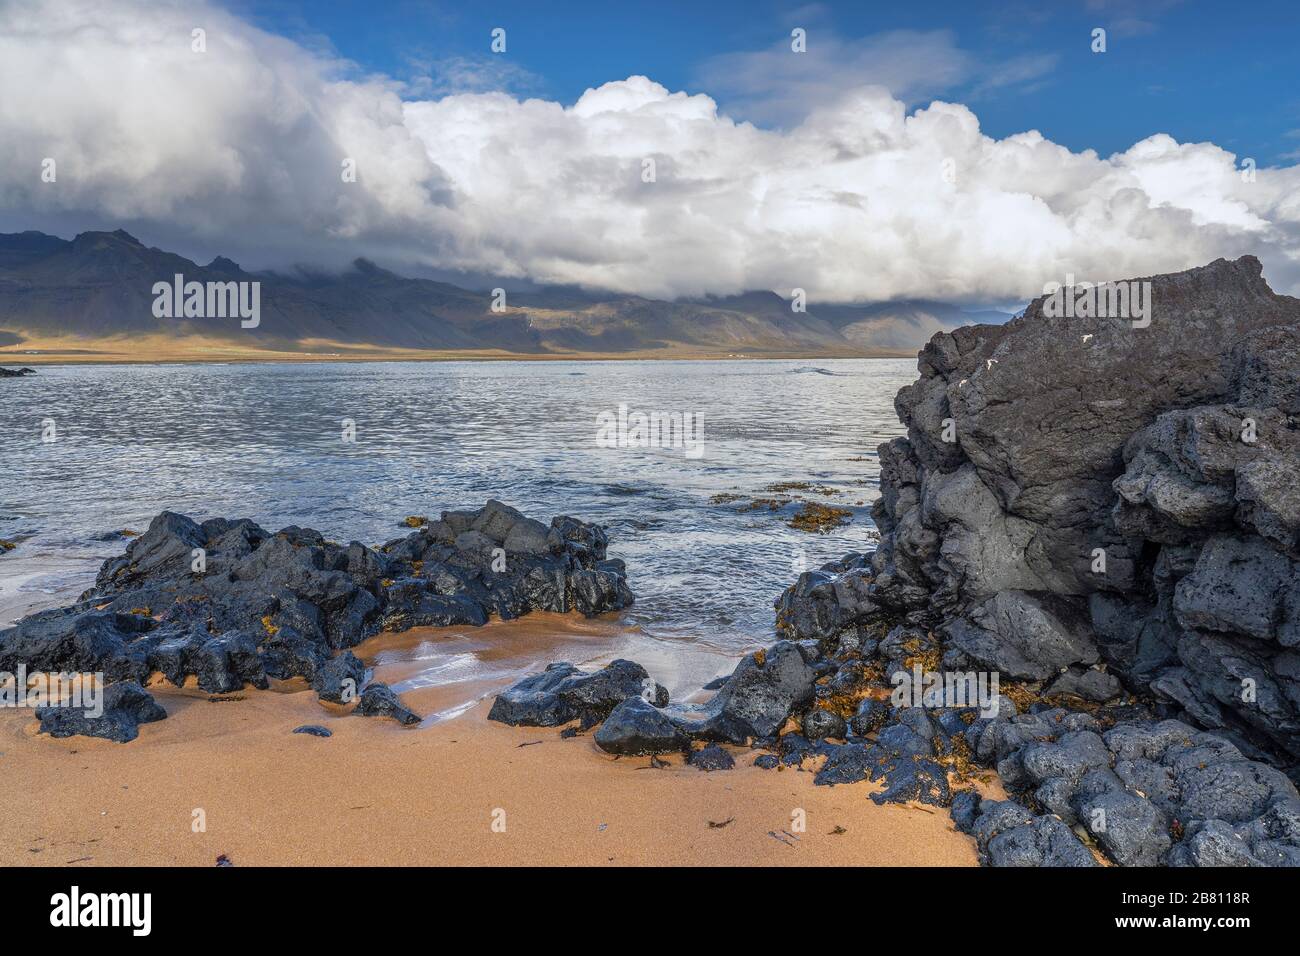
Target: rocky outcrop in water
x,y
16,372
1113,496
230,603
1103,514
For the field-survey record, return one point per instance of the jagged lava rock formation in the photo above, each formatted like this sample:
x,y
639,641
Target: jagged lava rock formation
x,y
1113,494
1106,516
231,603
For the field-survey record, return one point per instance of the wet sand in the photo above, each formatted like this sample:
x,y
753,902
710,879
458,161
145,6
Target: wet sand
x,y
377,793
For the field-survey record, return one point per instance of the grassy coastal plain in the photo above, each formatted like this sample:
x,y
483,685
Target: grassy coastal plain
x,y
377,793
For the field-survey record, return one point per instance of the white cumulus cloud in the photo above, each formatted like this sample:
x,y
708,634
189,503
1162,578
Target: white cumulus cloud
x,y
238,150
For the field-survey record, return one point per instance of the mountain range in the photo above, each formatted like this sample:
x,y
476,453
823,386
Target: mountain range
x,y
99,287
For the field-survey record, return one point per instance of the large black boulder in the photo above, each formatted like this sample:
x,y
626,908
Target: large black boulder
x,y
764,690
638,727
823,603
1006,834
125,705
563,692
1055,508
339,680
80,640
379,700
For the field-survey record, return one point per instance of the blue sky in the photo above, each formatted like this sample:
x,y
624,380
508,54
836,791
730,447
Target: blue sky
x,y
1222,72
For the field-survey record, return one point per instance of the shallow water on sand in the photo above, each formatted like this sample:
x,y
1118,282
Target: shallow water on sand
x,y
265,441
443,672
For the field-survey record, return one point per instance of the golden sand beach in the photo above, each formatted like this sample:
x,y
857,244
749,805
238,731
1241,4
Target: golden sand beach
x,y
378,793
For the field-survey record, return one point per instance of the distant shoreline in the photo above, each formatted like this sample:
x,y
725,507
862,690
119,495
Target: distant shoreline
x,y
154,351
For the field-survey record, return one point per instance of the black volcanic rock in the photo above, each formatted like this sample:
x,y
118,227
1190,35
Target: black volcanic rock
x,y
125,706
765,690
1113,495
1114,522
232,604
562,693
1024,635
762,693
638,727
380,700
80,639
1008,835
823,603
339,679
711,758
819,723
1142,787
1181,480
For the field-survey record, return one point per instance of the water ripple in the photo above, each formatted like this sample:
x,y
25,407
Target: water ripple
x,y
265,441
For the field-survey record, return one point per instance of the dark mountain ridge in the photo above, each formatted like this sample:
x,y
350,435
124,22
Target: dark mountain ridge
x,y
100,285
